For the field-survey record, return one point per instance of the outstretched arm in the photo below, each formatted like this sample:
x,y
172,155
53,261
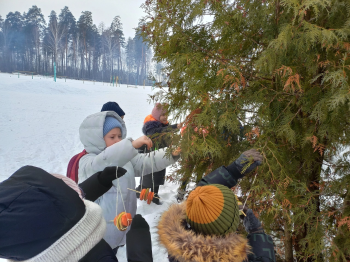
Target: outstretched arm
x,y
154,127
228,176
261,243
115,155
100,182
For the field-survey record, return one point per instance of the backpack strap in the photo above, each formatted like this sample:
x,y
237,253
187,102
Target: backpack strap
x,y
73,166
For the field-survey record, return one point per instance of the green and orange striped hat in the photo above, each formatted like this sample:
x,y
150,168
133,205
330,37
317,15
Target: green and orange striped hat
x,y
212,210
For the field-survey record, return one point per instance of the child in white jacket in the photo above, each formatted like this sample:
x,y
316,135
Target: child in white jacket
x,y
103,136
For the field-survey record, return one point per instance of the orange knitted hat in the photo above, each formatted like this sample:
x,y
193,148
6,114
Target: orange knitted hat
x,y
212,210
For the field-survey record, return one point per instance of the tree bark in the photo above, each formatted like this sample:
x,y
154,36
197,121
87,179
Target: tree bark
x,y
288,242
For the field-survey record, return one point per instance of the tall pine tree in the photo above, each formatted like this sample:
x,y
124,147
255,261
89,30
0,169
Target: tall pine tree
x,y
279,69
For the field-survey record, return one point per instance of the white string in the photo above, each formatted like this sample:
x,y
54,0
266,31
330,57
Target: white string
x,y
249,191
121,195
152,172
116,208
143,169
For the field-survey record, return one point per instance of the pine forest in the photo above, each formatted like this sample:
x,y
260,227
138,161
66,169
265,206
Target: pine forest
x,y
30,43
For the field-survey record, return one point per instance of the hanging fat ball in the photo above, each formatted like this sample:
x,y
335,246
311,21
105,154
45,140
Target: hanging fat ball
x,y
122,221
150,197
142,194
146,195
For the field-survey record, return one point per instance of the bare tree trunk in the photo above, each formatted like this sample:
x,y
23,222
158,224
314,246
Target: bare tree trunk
x,y
288,242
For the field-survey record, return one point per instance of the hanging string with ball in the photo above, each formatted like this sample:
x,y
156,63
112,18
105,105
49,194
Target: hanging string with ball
x,y
123,219
245,202
146,194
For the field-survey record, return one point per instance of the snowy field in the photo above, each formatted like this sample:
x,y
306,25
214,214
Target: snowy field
x,y
39,124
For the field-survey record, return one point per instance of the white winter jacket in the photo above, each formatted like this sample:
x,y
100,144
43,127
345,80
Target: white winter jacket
x,y
121,154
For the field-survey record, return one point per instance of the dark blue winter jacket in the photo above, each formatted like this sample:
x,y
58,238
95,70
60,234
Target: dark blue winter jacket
x,y
156,131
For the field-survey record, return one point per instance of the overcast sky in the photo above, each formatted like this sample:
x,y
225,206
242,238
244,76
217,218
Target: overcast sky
x,y
102,10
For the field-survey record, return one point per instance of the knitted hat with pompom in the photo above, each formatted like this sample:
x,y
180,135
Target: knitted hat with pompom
x,y
158,110
212,210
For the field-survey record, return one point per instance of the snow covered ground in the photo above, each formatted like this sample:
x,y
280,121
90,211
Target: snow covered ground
x,y
39,125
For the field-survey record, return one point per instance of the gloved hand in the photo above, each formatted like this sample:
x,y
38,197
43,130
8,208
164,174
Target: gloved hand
x,y
109,174
143,149
180,195
251,223
100,182
244,159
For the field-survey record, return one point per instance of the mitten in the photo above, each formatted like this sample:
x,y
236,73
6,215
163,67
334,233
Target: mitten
x,y
143,149
180,195
244,159
251,223
100,182
109,174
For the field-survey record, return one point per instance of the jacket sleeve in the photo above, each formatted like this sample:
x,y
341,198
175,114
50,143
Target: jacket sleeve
x,y
116,155
222,176
262,247
161,136
158,130
154,127
144,162
92,188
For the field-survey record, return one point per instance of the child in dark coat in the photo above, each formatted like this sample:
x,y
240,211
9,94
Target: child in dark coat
x,y
156,126
203,228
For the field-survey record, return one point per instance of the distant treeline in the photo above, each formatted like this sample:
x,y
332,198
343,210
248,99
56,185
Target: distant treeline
x,y
80,49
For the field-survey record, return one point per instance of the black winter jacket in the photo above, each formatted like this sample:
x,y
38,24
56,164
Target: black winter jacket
x,y
157,132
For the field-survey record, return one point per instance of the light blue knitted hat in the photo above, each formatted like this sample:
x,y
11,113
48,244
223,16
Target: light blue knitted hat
x,y
110,123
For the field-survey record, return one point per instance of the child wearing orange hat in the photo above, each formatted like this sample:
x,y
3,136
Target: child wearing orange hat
x,y
203,228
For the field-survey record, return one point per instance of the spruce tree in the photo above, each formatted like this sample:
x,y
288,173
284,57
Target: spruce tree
x,y
279,69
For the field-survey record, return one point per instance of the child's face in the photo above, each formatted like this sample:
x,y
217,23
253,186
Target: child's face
x,y
113,136
163,119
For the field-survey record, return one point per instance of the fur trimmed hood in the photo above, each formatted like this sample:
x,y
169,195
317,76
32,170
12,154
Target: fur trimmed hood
x,y
185,245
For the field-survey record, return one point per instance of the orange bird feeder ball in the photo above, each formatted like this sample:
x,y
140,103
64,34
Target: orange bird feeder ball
x,y
150,197
126,219
122,221
142,194
146,194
